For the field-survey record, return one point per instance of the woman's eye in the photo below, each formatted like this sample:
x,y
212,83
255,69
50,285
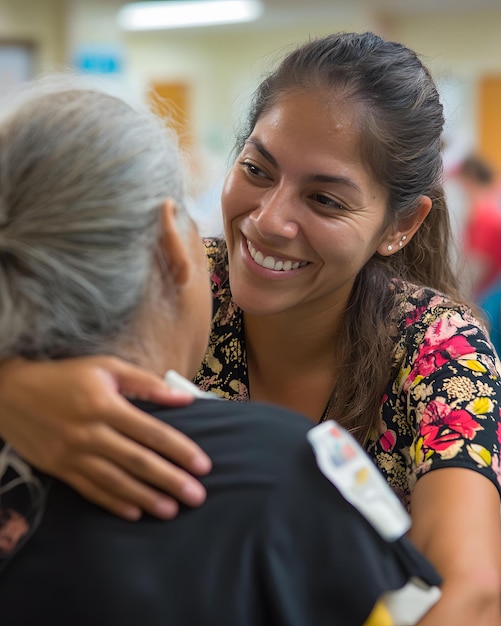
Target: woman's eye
x,y
327,201
253,169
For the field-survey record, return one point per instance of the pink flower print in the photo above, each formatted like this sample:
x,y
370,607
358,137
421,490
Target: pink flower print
x,y
215,280
496,466
388,440
439,346
442,427
414,315
498,428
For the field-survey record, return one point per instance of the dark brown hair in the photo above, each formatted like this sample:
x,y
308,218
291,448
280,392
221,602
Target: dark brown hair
x,y
477,170
401,127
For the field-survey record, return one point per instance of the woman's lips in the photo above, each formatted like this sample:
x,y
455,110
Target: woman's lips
x,y
273,263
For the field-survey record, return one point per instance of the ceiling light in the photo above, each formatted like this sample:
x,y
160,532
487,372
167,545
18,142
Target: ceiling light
x,y
186,13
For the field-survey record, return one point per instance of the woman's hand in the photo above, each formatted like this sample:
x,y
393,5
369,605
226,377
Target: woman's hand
x,y
70,419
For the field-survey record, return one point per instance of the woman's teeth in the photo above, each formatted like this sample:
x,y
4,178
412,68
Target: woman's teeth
x,y
271,263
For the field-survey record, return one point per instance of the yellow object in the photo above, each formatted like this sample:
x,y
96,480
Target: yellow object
x,y
362,476
379,616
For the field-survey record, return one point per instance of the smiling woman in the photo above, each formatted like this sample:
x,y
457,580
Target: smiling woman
x,y
334,295
303,197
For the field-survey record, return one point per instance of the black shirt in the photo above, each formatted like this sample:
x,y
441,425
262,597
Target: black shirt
x,y
274,544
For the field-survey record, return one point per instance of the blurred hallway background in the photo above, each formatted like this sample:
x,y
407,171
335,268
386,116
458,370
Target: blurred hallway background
x,y
209,73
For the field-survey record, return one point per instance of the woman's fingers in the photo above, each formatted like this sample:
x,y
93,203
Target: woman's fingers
x,y
123,476
68,419
112,408
134,382
121,494
143,464
158,436
104,499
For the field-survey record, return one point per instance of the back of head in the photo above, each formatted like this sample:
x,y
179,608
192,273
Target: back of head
x,y
82,178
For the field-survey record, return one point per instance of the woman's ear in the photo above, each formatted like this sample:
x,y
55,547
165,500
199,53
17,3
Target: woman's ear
x,y
175,253
396,239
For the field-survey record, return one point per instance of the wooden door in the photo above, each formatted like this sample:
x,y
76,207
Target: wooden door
x,y
490,119
172,101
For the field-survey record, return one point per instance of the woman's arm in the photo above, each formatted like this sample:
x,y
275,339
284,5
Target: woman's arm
x,y
70,419
457,525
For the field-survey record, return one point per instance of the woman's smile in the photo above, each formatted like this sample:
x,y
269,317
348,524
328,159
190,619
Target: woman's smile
x,y
302,212
273,262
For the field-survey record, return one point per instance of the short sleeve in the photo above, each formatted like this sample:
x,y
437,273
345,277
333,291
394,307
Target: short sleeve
x,y
453,393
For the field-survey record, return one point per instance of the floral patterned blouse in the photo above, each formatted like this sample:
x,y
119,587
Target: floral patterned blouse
x,y
443,408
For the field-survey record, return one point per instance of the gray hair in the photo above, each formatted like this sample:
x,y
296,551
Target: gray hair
x,y
83,175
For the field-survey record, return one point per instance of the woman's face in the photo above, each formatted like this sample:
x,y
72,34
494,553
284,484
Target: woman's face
x,y
302,212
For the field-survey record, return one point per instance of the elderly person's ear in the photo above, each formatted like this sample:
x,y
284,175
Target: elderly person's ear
x,y
173,246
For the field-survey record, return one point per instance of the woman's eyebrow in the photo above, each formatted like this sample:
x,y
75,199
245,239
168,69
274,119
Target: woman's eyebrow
x,y
337,180
262,150
318,178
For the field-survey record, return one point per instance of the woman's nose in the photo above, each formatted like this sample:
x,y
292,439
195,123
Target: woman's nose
x,y
277,215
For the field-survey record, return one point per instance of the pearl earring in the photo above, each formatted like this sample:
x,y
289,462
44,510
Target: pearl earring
x,y
390,248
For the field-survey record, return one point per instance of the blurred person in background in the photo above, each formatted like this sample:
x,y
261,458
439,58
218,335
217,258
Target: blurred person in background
x,y
481,237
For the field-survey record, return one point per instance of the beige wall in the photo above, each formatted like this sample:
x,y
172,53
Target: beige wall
x,y
40,22
222,66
